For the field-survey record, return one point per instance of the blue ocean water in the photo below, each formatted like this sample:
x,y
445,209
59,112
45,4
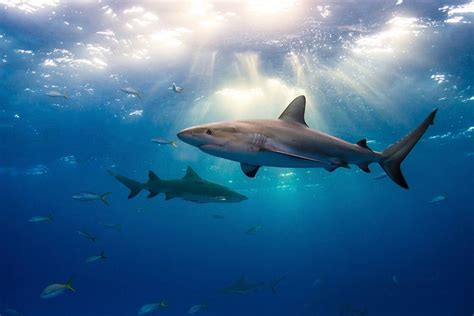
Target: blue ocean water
x,y
346,243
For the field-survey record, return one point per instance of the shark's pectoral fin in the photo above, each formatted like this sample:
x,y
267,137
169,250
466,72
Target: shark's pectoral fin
x,y
363,143
364,167
249,170
296,156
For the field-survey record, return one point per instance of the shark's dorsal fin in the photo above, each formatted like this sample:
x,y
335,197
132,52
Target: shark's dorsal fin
x,y
152,176
294,112
249,170
242,280
191,175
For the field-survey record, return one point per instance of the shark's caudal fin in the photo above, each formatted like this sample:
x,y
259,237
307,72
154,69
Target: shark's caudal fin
x,y
104,198
134,186
393,156
274,283
102,255
68,285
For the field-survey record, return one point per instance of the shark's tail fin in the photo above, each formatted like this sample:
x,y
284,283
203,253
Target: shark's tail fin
x,y
68,285
104,198
393,156
134,186
274,283
102,255
50,217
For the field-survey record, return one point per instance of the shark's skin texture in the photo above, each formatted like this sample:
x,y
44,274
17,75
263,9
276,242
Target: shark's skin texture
x,y
190,188
288,142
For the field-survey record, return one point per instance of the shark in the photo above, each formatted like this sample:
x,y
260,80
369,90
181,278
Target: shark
x,y
191,188
242,286
288,142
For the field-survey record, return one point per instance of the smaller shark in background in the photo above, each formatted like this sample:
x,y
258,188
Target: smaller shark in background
x,y
242,286
191,188
131,91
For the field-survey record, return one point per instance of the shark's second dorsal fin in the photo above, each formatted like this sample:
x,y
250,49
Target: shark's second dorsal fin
x,y
363,143
191,175
294,112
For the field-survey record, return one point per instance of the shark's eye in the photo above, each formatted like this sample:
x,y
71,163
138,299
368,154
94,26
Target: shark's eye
x,y
208,132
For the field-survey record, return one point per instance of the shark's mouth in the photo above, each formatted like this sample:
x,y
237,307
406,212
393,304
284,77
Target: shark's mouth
x,y
208,147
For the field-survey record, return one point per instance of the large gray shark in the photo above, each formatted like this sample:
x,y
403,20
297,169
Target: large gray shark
x,y
288,142
190,188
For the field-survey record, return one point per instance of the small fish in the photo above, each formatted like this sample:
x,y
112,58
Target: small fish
x,y
253,230
56,94
90,196
11,312
175,88
37,219
380,176
147,308
54,290
117,227
316,283
196,308
161,141
86,235
395,280
217,216
438,199
96,258
131,91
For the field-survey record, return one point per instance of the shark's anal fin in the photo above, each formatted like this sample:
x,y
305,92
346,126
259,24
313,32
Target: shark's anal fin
x,y
249,170
364,167
169,196
152,194
294,112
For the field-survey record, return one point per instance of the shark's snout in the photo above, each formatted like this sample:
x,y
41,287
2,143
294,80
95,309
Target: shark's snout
x,y
187,136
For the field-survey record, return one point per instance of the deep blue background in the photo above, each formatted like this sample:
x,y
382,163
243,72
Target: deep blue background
x,y
349,231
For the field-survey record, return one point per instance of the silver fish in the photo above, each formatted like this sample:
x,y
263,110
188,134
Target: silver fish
x,y
38,219
161,141
90,196
54,290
